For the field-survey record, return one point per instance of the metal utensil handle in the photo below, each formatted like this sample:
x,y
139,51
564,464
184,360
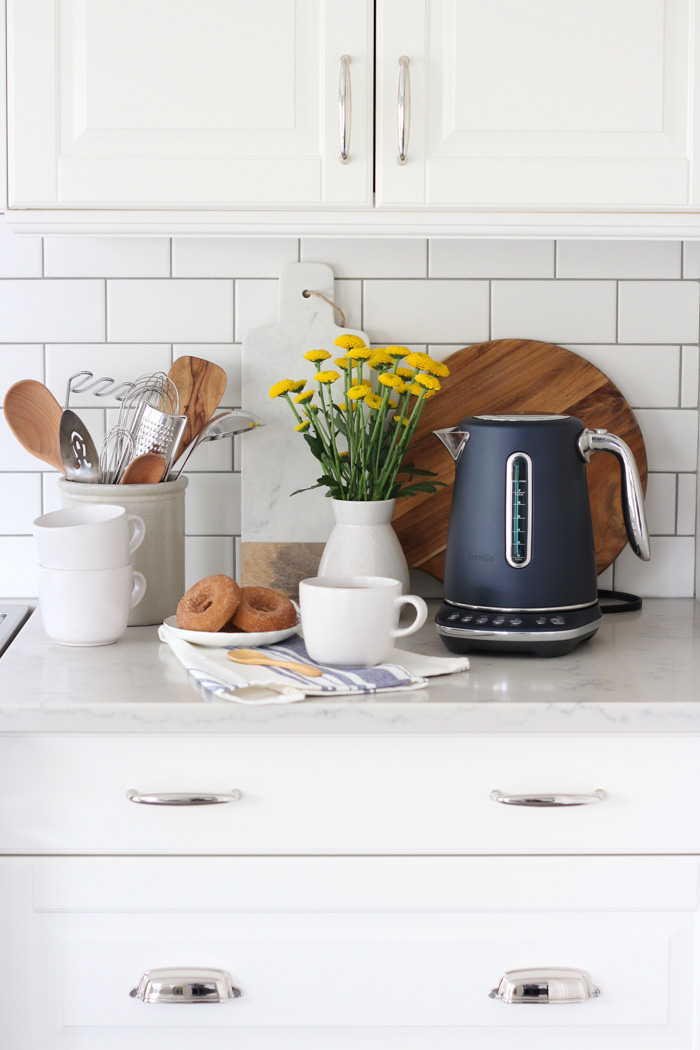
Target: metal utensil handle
x,y
177,798
547,801
403,109
344,109
632,492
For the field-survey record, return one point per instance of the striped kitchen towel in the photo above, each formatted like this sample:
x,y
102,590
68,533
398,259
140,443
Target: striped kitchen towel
x,y
215,677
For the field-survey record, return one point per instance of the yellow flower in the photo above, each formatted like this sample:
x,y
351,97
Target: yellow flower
x,y
303,426
405,373
429,393
361,353
326,377
373,400
396,352
415,389
427,381
343,455
427,364
317,355
404,422
392,404
380,358
389,379
299,385
342,362
343,407
349,342
301,398
356,392
283,387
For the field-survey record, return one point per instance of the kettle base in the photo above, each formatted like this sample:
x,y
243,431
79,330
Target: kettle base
x,y
543,633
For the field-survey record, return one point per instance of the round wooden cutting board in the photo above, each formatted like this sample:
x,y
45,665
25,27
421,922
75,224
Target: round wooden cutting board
x,y
518,375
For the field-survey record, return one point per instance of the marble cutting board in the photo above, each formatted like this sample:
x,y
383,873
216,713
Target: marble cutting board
x,y
282,537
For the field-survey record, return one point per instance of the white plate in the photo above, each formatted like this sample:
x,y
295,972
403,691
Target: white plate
x,y
234,640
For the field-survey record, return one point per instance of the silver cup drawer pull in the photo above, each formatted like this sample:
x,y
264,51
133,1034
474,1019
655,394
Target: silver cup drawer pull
x,y
187,798
547,801
179,984
545,985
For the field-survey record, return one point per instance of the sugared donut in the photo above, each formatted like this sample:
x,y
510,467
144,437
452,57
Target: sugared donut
x,y
209,604
262,609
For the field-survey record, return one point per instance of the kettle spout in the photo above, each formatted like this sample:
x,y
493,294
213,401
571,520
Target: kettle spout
x,y
454,440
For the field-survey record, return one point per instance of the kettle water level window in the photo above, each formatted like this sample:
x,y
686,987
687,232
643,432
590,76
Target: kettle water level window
x,y
519,510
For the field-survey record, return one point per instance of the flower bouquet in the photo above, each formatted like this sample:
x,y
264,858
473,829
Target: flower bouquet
x,y
361,438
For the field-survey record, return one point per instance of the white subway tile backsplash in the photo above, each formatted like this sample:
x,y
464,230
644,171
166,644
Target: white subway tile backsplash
x,y
690,376
20,256
648,376
669,574
671,438
232,256
107,257
426,311
619,259
19,567
20,503
553,312
226,356
367,257
20,361
659,312
170,311
208,556
13,455
691,260
256,306
213,505
660,504
118,361
51,498
482,257
687,505
58,311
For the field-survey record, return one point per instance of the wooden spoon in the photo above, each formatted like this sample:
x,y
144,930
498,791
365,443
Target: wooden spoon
x,y
250,656
34,416
200,386
147,469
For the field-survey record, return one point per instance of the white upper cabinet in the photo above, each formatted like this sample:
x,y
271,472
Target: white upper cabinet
x,y
186,103
525,104
513,115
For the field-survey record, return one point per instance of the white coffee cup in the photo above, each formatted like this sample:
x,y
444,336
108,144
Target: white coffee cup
x,y
90,537
88,606
352,621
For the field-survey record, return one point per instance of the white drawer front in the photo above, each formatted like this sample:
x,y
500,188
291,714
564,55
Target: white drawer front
x,y
387,953
325,795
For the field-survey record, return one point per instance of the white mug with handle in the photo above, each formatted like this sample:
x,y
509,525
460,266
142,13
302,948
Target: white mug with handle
x,y
352,621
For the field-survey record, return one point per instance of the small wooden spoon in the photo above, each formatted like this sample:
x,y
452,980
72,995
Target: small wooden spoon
x,y
34,416
200,386
250,656
147,469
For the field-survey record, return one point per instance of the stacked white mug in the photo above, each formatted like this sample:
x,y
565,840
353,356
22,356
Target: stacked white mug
x,y
87,584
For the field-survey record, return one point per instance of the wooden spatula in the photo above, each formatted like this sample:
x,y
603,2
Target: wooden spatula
x,y
34,416
200,386
250,656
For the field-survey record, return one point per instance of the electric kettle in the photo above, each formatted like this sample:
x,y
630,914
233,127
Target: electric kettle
x,y
520,569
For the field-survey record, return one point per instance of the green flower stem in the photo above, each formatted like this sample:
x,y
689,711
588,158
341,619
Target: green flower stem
x,y
331,431
394,462
292,406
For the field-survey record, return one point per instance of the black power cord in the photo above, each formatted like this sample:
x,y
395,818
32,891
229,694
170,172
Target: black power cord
x,y
619,601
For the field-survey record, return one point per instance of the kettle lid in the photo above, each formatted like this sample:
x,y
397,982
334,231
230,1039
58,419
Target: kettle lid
x,y
522,417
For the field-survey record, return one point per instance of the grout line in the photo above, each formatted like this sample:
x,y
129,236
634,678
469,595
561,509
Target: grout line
x,y
171,258
617,313
675,517
556,259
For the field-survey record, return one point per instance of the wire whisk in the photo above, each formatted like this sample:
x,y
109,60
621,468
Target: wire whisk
x,y
116,452
154,389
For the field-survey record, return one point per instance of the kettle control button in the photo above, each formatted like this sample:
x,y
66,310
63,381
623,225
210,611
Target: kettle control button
x,y
515,621
541,620
453,616
498,620
467,619
557,620
482,619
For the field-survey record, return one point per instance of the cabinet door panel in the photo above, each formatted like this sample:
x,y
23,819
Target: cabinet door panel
x,y
583,104
350,953
193,102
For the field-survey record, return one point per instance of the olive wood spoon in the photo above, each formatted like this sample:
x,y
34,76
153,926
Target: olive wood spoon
x,y
200,387
147,469
250,656
34,416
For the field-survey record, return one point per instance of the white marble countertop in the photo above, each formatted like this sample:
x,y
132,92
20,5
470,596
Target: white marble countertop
x,y
639,674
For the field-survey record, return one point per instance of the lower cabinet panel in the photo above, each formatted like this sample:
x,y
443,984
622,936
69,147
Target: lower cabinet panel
x,y
348,953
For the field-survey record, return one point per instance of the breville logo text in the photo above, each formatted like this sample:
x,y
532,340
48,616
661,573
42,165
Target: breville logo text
x,y
472,556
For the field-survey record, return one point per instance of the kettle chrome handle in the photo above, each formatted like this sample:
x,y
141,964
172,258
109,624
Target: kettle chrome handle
x,y
632,494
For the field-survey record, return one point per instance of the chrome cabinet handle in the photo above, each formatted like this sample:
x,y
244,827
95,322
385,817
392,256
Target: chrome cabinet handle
x,y
180,984
404,109
549,801
344,109
545,985
177,798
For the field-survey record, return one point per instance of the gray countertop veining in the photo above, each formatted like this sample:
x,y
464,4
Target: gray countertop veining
x,y
639,674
